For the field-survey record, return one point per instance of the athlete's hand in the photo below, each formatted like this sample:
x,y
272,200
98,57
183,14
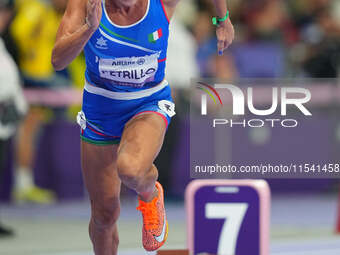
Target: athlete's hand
x,y
225,36
94,14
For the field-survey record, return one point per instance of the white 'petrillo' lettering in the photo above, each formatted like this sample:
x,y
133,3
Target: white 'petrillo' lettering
x,y
130,70
132,74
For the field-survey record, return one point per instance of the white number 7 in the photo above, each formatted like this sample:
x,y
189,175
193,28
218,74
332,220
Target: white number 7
x,y
233,214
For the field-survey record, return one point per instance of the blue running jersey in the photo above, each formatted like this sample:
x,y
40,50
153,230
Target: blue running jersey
x,y
129,58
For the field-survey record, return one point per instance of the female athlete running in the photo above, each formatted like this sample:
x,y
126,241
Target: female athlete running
x,y
127,105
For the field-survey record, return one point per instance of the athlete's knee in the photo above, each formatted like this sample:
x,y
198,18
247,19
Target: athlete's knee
x,y
105,212
130,169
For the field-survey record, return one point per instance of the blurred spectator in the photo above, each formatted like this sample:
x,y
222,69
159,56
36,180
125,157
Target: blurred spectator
x,y
34,29
205,39
274,38
181,65
316,51
12,102
261,52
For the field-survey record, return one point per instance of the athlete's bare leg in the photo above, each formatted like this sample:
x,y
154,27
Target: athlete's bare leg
x,y
140,144
103,184
105,166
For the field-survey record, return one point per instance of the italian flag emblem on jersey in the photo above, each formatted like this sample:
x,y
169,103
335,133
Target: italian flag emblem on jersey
x,y
153,37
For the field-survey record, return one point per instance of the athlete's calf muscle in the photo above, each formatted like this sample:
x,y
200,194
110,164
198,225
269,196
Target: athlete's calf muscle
x,y
103,184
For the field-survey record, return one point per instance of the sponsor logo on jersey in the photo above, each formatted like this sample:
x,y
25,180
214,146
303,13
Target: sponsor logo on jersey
x,y
101,43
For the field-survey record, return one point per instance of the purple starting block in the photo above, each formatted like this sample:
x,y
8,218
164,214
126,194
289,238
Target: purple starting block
x,y
228,217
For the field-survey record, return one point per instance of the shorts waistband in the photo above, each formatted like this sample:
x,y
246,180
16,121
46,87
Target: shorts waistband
x,y
124,95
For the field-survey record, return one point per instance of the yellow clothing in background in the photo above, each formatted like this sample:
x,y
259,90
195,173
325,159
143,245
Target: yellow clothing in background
x,y
34,29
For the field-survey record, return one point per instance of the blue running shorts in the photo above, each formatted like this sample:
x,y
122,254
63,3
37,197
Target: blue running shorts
x,y
105,112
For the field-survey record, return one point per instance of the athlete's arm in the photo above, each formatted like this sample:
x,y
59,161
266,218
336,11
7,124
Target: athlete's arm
x,y
80,21
225,31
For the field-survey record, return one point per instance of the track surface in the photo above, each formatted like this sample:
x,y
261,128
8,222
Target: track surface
x,y
301,225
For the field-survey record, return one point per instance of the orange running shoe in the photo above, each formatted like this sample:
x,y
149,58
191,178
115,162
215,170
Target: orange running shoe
x,y
155,225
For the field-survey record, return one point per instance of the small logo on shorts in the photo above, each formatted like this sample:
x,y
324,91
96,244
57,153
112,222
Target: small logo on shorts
x,y
168,107
81,120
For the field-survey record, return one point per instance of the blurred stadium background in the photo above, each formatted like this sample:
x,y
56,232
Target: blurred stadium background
x,y
44,207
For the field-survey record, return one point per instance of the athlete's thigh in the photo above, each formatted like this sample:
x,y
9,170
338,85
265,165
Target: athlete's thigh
x,y
143,137
100,171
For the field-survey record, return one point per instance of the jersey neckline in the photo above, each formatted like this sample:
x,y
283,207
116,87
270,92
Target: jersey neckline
x,y
127,26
